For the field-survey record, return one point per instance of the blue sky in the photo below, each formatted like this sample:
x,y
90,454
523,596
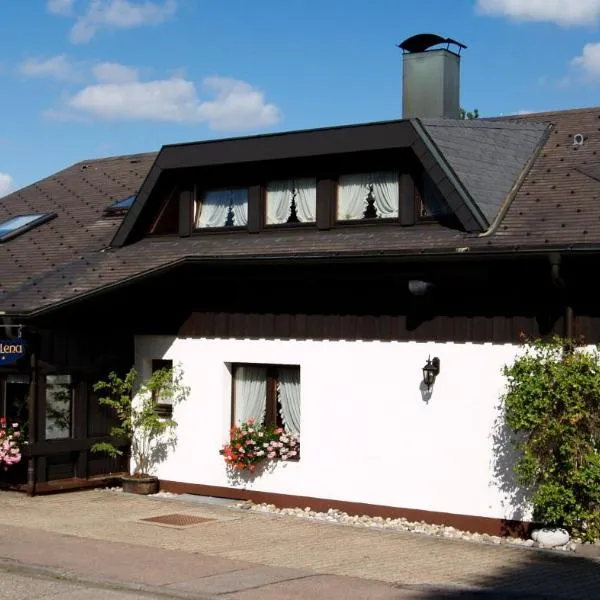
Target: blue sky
x,y
90,78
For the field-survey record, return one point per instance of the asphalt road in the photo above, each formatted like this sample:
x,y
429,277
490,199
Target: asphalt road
x,y
25,586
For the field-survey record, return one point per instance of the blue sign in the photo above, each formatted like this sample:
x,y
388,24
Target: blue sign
x,y
11,351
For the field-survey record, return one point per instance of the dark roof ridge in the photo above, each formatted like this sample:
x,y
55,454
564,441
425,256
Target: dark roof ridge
x,y
548,113
115,157
487,123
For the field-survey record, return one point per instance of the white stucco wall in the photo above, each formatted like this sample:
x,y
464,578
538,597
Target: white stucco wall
x,y
367,433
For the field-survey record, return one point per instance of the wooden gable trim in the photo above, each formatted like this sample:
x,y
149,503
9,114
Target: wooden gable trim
x,y
125,229
389,135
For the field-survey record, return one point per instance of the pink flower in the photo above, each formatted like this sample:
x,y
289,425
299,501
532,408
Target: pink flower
x,y
271,455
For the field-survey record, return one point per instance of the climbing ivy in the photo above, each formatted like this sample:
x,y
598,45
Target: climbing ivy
x,y
552,404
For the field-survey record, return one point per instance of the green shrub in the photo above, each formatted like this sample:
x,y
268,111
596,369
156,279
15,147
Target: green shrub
x,y
552,404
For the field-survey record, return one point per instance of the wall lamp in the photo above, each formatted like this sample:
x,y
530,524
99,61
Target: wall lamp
x,y
430,371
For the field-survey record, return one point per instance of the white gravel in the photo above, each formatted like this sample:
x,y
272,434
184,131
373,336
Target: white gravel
x,y
420,527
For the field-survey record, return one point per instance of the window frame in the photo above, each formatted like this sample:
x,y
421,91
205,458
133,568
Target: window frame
x,y
272,415
72,388
370,221
199,193
13,233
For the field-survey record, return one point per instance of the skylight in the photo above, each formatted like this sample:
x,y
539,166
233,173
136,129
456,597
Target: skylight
x,y
21,223
122,204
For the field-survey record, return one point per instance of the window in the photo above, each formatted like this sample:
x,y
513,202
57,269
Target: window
x,y
20,224
222,208
14,400
268,394
121,206
164,404
291,201
368,196
59,407
431,204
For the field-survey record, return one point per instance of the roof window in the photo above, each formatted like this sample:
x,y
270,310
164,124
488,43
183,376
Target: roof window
x,y
21,223
121,206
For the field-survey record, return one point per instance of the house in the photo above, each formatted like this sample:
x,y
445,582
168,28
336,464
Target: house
x,y
329,264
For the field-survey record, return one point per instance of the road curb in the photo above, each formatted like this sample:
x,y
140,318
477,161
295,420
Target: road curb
x,y
9,565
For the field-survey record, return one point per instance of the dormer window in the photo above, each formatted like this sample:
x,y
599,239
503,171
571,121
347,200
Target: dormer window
x,y
222,208
368,196
431,204
291,201
20,224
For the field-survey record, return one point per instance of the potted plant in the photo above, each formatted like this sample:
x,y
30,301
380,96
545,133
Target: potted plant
x,y
139,421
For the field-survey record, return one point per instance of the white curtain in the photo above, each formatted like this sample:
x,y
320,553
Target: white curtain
x,y
250,394
289,399
213,209
239,205
306,200
386,193
353,191
279,200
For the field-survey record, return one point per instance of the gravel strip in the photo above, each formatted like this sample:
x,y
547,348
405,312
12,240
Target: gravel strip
x,y
419,527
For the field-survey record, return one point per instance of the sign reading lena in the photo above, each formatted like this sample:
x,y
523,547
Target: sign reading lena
x,y
11,351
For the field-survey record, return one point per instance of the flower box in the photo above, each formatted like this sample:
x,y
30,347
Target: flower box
x,y
251,444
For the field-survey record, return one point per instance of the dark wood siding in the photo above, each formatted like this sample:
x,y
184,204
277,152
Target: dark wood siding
x,y
479,329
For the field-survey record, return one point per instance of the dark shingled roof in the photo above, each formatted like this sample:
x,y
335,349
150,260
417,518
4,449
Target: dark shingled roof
x,y
79,195
487,157
557,204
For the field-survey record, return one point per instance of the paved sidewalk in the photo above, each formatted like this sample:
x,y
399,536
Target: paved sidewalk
x,y
99,535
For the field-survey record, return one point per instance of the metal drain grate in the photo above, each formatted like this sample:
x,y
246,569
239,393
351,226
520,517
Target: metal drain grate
x,y
177,520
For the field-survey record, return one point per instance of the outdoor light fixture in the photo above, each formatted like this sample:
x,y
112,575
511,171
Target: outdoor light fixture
x,y
430,371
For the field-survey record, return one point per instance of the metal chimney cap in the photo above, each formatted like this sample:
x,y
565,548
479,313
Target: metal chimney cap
x,y
423,41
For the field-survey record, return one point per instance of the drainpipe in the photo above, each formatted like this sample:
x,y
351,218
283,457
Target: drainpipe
x,y
32,406
559,282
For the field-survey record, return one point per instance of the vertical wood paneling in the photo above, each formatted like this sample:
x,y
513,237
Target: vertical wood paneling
x,y
326,202
256,208
407,200
414,327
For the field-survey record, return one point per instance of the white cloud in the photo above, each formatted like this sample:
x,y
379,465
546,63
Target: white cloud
x,y
6,184
114,73
61,7
119,95
112,14
589,60
561,12
58,67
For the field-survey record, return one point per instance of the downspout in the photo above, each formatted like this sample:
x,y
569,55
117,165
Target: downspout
x,y
32,408
559,283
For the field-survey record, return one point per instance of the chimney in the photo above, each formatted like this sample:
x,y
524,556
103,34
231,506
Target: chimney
x,y
431,77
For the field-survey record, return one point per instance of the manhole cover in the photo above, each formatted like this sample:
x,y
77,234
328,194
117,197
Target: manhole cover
x,y
177,520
